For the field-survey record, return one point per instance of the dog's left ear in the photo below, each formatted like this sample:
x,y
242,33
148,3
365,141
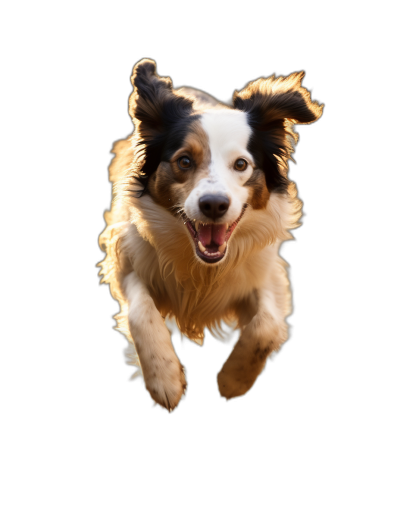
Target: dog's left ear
x,y
272,106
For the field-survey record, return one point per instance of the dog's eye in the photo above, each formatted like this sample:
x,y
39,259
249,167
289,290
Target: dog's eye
x,y
184,163
240,165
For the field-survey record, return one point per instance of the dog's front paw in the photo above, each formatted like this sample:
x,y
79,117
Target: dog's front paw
x,y
236,379
241,369
261,337
166,383
231,385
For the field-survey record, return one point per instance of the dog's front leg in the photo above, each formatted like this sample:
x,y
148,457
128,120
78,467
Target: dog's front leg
x,y
162,371
265,333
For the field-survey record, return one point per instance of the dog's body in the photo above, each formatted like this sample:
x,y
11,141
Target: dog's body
x,y
201,206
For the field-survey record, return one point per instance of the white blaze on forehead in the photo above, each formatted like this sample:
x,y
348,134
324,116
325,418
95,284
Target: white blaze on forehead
x,y
228,133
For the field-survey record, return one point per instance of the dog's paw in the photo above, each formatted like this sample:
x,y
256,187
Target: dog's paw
x,y
232,385
241,369
261,337
166,383
237,379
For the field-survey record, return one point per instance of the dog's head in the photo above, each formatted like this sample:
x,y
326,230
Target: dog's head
x,y
211,165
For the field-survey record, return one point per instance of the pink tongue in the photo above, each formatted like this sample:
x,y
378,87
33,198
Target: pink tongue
x,y
204,233
218,234
212,233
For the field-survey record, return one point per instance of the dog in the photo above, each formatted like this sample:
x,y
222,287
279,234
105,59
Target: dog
x,y
201,204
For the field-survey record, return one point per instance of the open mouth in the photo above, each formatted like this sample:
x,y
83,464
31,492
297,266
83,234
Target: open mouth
x,y
211,239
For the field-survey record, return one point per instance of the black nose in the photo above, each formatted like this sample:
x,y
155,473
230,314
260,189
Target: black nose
x,y
214,206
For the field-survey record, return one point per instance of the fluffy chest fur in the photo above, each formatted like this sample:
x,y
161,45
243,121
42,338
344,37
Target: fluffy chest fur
x,y
201,297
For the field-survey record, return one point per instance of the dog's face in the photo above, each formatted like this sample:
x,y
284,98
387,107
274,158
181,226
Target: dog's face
x,y
207,166
206,180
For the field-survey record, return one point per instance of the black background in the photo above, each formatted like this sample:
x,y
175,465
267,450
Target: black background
x,y
299,397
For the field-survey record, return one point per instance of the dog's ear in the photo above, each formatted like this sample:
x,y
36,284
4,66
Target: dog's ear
x,y
153,102
272,106
155,110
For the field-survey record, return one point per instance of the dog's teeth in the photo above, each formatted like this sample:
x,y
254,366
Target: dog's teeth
x,y
201,246
222,247
196,225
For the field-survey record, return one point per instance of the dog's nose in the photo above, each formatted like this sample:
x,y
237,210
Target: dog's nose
x,y
214,206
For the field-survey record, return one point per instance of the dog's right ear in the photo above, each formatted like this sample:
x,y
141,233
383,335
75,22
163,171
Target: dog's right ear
x,y
153,105
155,110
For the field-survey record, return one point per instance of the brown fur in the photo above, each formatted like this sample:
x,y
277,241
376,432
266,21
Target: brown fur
x,y
170,185
259,191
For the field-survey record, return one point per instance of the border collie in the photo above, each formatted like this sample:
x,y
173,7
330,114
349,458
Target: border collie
x,y
201,204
